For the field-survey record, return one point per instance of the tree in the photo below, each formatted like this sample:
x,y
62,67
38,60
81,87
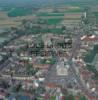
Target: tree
x,y
82,98
70,97
63,28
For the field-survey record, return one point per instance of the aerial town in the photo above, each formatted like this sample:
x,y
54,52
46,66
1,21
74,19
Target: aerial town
x,y
49,52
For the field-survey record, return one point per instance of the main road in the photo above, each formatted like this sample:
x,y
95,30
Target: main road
x,y
74,53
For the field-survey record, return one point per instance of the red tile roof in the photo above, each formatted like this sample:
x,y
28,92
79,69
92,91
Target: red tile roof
x,y
41,66
85,73
62,98
91,98
2,94
76,98
51,85
90,38
96,88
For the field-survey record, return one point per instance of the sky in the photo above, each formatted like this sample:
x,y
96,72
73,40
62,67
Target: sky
x,y
40,1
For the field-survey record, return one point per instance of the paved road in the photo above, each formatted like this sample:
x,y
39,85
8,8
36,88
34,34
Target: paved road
x,y
4,64
52,77
75,51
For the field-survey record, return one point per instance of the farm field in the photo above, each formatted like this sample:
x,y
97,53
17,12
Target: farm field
x,y
67,16
73,11
53,21
64,15
13,17
50,14
7,22
96,15
19,12
2,39
59,11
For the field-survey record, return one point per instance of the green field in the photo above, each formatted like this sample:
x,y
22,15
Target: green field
x,y
89,58
59,31
69,10
61,13
19,12
2,39
53,21
96,15
91,54
67,97
74,11
93,70
35,31
50,14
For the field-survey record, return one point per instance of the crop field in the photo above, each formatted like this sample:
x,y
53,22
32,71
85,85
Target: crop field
x,y
91,55
2,39
19,12
96,15
7,22
50,14
73,11
70,22
64,15
73,15
53,21
14,17
60,11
